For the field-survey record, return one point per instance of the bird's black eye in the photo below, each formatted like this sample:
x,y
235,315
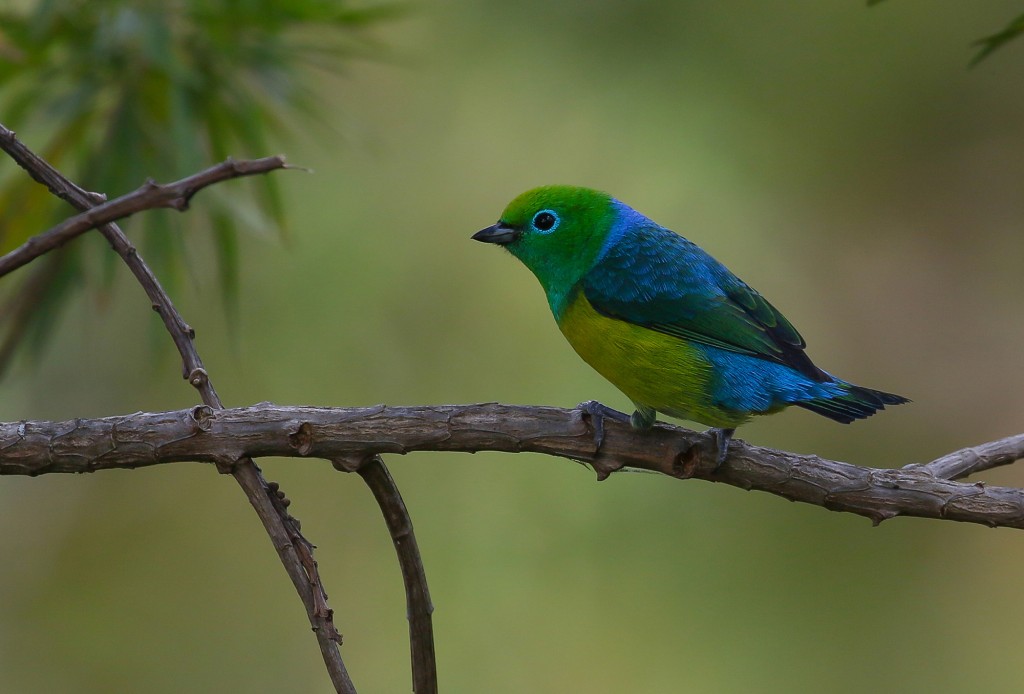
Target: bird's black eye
x,y
545,221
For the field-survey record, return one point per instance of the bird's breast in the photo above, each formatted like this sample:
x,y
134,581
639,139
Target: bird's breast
x,y
653,369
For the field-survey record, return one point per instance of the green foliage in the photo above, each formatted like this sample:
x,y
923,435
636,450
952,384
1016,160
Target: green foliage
x,y
124,90
998,39
987,43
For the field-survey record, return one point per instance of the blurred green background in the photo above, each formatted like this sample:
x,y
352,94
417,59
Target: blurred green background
x,y
840,159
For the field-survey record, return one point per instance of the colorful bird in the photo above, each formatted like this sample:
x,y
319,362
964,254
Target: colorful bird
x,y
666,323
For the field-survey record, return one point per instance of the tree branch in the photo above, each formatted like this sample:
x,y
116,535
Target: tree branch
x,y
150,195
294,550
968,461
207,435
418,606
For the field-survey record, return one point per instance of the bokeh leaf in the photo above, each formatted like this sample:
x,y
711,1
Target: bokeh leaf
x,y
989,43
113,92
998,40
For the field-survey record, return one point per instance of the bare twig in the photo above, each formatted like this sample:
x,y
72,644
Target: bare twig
x,y
201,434
294,551
418,606
149,196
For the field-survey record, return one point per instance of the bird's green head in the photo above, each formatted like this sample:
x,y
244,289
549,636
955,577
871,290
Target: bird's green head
x,y
557,232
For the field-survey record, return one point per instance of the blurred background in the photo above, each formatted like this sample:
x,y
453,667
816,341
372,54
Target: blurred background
x,y
842,160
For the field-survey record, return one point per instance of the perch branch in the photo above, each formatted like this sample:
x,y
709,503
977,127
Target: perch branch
x,y
204,434
418,605
294,550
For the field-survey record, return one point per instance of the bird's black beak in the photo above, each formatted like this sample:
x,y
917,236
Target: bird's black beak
x,y
501,234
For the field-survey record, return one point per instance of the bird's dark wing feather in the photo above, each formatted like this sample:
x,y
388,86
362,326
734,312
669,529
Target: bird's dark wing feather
x,y
657,279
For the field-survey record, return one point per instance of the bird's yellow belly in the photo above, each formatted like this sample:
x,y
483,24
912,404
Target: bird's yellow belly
x,y
660,371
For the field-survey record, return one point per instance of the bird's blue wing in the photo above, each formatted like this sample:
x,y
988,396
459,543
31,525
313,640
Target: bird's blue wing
x,y
653,277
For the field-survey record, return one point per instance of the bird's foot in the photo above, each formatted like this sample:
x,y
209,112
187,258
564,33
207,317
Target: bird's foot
x,y
597,412
720,439
643,418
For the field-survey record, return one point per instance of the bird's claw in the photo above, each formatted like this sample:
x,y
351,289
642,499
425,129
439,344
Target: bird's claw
x,y
720,438
597,412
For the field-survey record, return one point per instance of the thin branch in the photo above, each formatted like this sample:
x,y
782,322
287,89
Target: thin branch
x,y
150,195
418,605
203,434
294,550
968,461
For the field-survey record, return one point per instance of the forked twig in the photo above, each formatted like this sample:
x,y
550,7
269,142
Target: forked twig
x,y
293,549
149,196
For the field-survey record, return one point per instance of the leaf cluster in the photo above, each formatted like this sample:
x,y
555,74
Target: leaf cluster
x,y
124,89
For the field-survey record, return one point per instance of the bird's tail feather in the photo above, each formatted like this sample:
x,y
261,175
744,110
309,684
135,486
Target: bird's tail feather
x,y
855,403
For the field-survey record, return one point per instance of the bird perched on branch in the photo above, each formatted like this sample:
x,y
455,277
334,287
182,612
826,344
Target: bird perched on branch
x,y
666,323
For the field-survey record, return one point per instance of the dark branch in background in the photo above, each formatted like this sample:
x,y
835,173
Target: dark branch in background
x,y
203,434
294,550
418,606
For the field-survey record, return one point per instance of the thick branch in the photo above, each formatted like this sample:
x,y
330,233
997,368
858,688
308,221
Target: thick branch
x,y
203,434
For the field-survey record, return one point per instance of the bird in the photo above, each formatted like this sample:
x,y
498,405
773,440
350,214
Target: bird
x,y
665,322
